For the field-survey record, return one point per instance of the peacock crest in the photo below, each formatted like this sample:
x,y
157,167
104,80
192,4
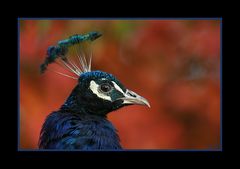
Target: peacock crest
x,y
73,54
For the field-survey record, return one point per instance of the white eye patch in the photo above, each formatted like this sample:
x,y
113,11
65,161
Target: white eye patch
x,y
117,87
94,88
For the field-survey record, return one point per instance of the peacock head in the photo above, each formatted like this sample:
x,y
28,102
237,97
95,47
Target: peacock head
x,y
96,91
100,93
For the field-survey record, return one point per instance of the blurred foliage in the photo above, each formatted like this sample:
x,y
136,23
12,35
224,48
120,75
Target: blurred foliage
x,y
175,64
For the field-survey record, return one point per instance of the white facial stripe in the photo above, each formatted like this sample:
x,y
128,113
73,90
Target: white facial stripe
x,y
94,88
117,87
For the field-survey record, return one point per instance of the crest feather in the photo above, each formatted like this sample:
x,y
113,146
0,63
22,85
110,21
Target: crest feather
x,y
73,54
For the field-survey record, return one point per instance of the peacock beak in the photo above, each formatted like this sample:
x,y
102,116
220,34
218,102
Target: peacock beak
x,y
131,97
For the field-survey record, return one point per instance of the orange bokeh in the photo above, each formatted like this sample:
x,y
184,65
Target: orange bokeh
x,y
175,64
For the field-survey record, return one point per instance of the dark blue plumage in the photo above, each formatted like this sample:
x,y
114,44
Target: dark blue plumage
x,y
70,130
81,122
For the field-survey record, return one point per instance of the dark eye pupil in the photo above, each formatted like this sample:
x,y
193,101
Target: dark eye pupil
x,y
105,88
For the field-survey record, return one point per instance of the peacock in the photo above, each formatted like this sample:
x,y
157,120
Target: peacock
x,y
81,123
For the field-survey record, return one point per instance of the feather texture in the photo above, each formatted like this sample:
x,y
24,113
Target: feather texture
x,y
68,130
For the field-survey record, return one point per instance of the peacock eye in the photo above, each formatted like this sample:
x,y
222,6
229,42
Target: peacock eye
x,y
106,87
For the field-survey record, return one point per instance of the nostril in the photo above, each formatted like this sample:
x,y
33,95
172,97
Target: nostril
x,y
131,94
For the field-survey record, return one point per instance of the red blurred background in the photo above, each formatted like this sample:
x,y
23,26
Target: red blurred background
x,y
175,64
